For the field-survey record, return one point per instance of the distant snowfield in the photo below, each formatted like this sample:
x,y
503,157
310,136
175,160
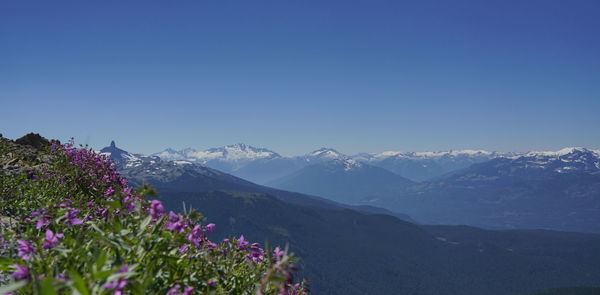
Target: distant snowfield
x,y
233,153
562,152
242,152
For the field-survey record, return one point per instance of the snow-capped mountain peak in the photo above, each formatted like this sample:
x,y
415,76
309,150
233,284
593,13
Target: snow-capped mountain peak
x,y
170,154
119,156
432,155
326,154
113,151
230,153
566,160
561,152
238,152
332,157
350,164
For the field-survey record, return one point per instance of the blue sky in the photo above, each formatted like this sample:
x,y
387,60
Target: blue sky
x,y
297,75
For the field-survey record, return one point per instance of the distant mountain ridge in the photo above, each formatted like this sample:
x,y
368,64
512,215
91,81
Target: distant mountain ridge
x,y
402,258
186,176
540,189
255,164
423,166
343,180
121,157
553,190
235,152
262,165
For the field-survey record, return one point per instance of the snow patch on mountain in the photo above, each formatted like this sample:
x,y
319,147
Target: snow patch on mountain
x,y
559,153
329,155
351,164
429,155
324,154
567,160
346,164
233,153
170,154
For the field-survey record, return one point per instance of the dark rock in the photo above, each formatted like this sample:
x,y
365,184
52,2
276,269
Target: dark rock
x,y
33,139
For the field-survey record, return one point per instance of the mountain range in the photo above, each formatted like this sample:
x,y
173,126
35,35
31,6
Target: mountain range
x,y
552,190
262,165
422,166
185,176
556,190
343,180
348,251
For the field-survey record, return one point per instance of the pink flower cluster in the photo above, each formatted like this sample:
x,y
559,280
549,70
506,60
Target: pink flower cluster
x,y
93,166
98,206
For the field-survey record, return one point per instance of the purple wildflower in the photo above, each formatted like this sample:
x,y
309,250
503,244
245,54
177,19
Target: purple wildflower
x,y
119,284
66,203
278,253
126,191
51,239
156,209
242,243
176,222
25,249
174,290
62,276
71,216
209,227
21,272
130,206
195,236
255,256
212,283
42,222
109,192
101,212
183,248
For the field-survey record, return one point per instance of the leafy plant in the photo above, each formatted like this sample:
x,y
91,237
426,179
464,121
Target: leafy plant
x,y
75,226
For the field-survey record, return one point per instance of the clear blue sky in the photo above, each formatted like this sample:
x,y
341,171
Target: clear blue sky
x,y
297,75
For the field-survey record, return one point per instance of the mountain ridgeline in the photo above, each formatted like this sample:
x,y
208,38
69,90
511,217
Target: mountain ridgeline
x,y
547,190
262,165
366,250
558,191
343,180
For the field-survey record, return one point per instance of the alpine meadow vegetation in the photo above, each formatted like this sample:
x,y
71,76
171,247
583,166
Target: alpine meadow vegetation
x,y
70,224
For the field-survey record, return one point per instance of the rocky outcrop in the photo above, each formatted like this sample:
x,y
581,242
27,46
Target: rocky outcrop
x,y
23,155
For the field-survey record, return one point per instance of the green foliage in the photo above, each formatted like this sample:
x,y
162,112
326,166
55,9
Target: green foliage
x,y
74,226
